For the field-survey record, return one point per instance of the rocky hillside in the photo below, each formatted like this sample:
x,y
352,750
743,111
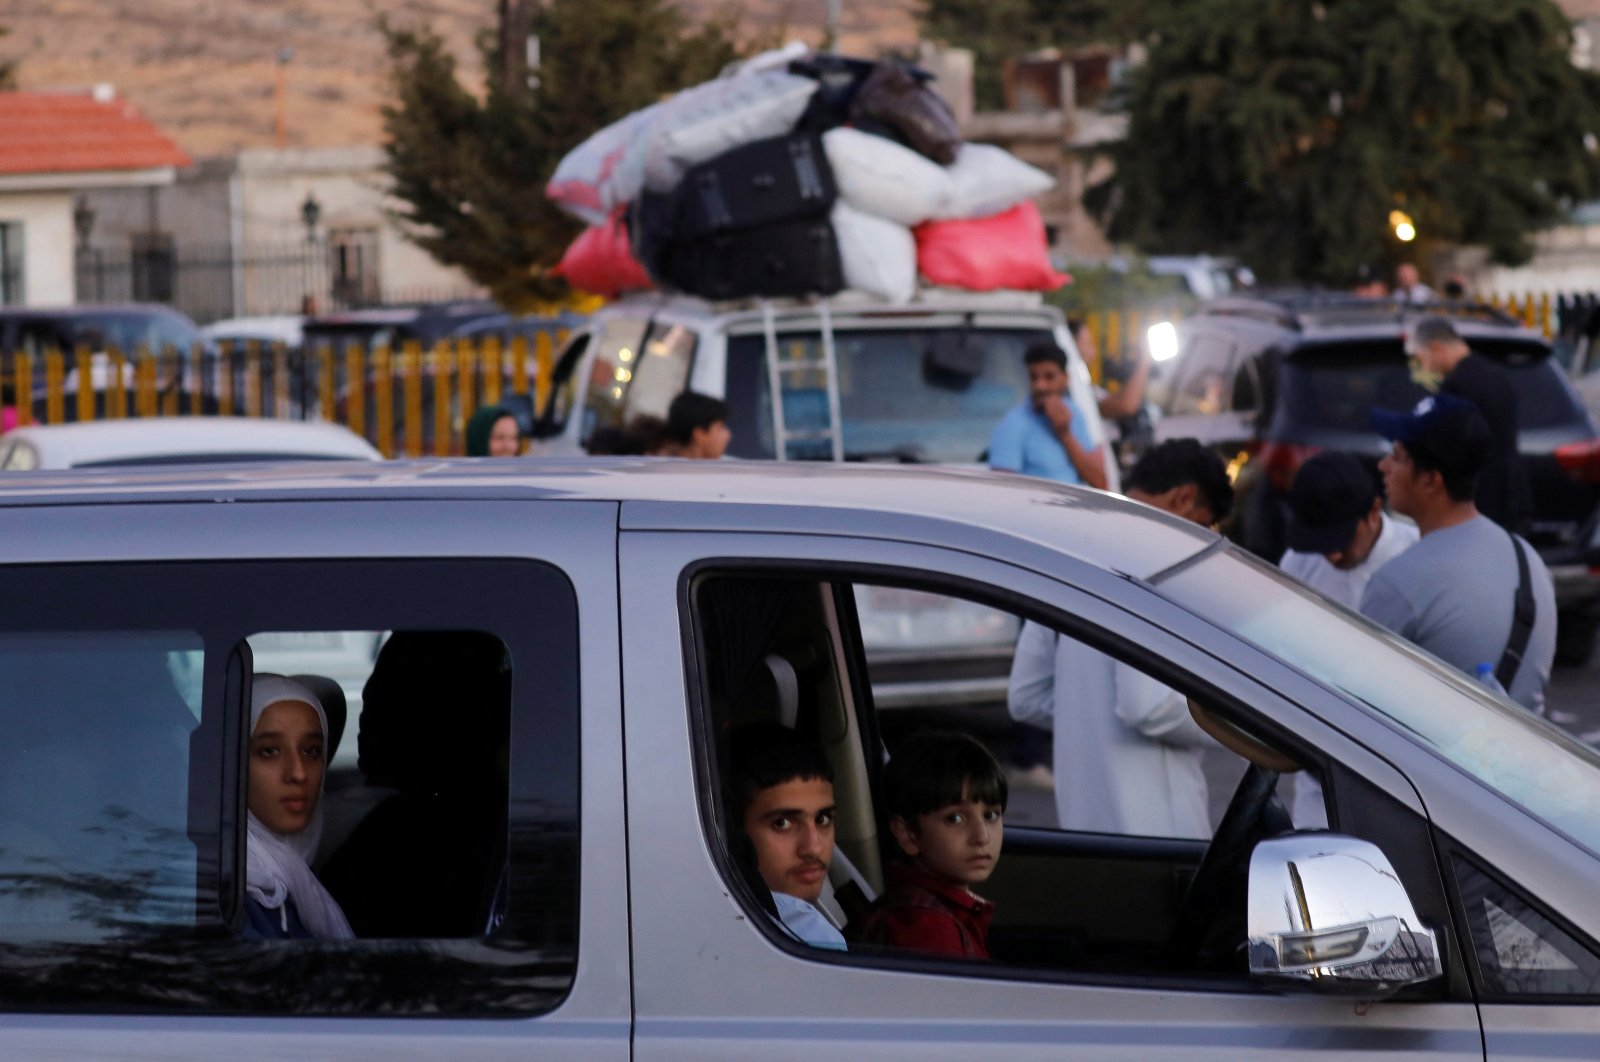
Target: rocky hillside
x,y
204,69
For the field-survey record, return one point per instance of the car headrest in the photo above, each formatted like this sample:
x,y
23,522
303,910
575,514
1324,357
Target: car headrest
x,y
331,696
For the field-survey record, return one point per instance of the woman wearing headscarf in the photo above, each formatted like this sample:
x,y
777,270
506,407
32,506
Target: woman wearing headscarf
x,y
283,898
492,432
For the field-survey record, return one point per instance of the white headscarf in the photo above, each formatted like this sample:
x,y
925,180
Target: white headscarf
x,y
278,864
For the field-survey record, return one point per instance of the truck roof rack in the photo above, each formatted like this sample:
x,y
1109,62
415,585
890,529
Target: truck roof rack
x,y
1300,310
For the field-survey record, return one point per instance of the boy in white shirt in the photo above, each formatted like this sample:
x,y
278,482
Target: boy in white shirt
x,y
1338,532
780,792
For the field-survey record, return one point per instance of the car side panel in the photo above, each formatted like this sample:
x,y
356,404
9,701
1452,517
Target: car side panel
x,y
709,985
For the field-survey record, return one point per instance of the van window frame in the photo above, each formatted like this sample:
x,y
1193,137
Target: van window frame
x,y
849,574
225,601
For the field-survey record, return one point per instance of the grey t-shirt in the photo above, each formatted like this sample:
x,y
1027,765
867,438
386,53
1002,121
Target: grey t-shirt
x,y
1453,594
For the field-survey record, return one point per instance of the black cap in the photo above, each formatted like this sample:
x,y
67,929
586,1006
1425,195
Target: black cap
x,y
1329,496
1448,431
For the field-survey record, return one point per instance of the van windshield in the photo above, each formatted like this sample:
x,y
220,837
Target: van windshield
x,y
914,395
1498,742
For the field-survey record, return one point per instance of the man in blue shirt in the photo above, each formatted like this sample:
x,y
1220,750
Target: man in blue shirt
x,y
1047,435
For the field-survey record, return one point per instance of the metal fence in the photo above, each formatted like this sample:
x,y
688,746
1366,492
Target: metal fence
x,y
405,400
210,283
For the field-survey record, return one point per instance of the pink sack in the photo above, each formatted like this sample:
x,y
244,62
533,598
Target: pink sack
x,y
601,261
1005,250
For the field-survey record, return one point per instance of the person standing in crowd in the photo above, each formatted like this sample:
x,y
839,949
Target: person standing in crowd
x,y
1127,750
1338,533
1047,434
1443,355
493,432
1338,536
697,427
1408,285
1469,592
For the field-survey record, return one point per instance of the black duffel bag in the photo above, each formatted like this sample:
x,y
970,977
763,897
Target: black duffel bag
x,y
766,182
791,258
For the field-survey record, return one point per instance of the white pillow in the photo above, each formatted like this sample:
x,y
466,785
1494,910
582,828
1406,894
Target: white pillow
x,y
703,122
877,176
986,180
879,256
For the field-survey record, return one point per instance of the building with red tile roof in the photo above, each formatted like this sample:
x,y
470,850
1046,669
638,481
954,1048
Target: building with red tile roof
x,y
61,134
53,146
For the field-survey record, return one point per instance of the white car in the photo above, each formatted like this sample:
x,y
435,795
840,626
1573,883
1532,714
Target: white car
x,y
287,329
178,440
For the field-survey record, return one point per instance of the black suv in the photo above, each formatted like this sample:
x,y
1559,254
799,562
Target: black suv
x,y
1270,379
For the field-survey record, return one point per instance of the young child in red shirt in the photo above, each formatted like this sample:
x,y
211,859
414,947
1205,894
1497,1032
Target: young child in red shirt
x,y
946,798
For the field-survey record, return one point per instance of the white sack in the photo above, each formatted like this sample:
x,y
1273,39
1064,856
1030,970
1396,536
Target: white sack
x,y
703,122
878,256
606,171
986,180
772,59
877,176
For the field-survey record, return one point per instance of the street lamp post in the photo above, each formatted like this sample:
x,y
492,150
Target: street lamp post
x,y
83,225
311,213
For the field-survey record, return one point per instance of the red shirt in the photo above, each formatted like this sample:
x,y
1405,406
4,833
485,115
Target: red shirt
x,y
921,912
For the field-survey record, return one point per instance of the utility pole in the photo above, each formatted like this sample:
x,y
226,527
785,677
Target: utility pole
x,y
516,24
830,27
280,114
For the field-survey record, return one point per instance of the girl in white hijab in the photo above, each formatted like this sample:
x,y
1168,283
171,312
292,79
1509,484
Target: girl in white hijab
x,y
288,735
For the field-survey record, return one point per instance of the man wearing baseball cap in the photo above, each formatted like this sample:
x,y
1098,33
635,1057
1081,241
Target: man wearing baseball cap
x,y
1443,356
1469,592
1338,533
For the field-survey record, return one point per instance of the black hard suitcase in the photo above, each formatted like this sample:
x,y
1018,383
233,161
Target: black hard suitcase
x,y
791,258
784,178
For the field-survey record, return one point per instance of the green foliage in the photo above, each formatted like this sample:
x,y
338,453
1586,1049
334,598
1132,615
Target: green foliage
x,y
469,171
1285,132
1001,30
1125,286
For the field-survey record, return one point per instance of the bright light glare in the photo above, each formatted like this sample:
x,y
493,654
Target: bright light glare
x,y
1163,340
1405,232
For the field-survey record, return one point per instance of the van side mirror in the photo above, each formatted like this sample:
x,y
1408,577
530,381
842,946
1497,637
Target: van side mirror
x,y
1327,914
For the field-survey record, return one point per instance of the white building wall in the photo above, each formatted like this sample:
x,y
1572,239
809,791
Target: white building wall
x,y
47,244
350,187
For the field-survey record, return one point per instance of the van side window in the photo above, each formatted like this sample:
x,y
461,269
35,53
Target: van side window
x,y
617,346
1204,385
661,372
94,785
1098,853
449,829
636,371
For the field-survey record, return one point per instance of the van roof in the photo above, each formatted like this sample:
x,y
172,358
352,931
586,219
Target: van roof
x,y
666,494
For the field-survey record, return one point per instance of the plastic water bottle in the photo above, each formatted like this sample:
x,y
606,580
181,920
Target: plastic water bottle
x,y
1486,676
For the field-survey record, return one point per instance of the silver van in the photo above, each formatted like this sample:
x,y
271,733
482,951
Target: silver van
x,y
861,380
535,854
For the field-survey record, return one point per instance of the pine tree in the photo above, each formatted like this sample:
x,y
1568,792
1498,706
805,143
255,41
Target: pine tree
x,y
1285,132
469,171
